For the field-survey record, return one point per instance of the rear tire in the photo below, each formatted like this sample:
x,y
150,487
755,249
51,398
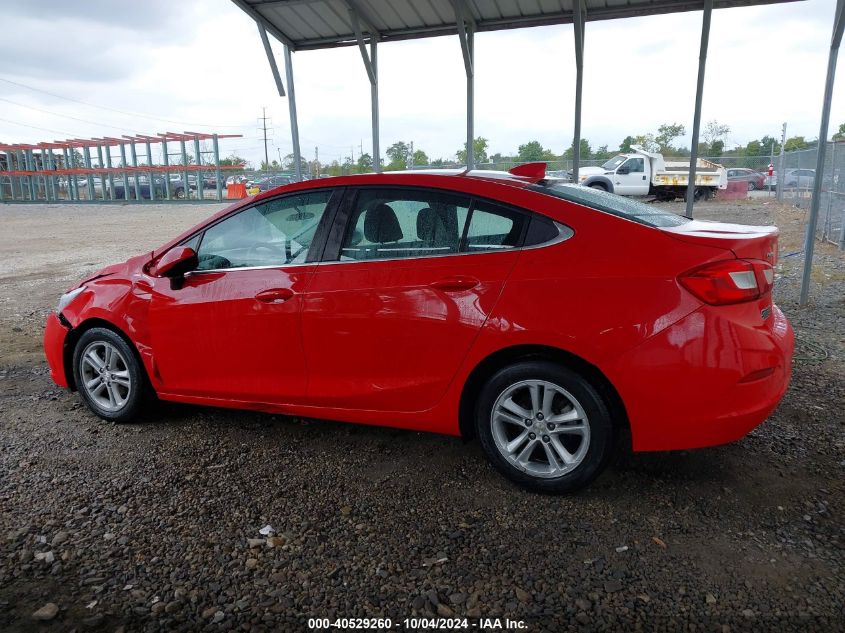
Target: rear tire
x,y
751,186
108,375
544,427
598,186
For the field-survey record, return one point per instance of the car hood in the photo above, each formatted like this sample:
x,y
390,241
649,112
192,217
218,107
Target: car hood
x,y
592,171
122,269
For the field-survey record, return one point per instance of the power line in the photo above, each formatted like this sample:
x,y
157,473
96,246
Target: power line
x,y
35,127
123,112
66,116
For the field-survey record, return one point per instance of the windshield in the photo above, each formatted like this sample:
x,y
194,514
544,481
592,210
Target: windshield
x,y
614,162
620,206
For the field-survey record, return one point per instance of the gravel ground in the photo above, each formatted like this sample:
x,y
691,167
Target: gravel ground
x,y
156,525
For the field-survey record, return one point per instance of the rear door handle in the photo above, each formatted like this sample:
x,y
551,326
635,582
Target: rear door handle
x,y
455,283
274,295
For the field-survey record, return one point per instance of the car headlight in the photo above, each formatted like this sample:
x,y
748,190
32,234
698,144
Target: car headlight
x,y
66,298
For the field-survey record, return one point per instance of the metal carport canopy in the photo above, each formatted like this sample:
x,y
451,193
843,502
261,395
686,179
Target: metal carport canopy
x,y
310,24
313,24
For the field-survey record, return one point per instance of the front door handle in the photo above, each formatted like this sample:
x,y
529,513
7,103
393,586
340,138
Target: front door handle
x,y
274,295
455,283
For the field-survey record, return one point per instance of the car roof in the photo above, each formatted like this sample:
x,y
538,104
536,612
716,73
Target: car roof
x,y
416,177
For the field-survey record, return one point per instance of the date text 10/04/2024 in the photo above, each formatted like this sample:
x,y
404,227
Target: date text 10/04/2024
x,y
415,624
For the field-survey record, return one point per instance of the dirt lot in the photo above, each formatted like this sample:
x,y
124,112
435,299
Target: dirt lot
x,y
145,526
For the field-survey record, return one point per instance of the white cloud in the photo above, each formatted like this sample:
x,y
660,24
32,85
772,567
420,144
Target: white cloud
x,y
203,63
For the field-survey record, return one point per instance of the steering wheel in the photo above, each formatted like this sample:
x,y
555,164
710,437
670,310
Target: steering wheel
x,y
273,247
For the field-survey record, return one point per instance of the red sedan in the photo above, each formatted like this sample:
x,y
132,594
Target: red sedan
x,y
540,318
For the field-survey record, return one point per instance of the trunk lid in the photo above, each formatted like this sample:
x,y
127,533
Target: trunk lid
x,y
745,241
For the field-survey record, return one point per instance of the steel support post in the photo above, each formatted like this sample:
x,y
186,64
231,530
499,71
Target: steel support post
x,y
110,174
699,93
165,159
371,66
200,187
810,238
781,158
30,165
125,174
294,124
271,59
217,175
185,168
89,180
102,174
43,177
70,179
466,30
150,165
136,178
578,25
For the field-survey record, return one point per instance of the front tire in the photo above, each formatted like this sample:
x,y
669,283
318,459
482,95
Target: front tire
x,y
544,427
598,186
108,375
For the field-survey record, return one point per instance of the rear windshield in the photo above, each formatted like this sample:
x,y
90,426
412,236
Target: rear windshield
x,y
627,208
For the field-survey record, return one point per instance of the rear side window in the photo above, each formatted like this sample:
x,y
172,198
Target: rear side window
x,y
492,227
393,223
623,207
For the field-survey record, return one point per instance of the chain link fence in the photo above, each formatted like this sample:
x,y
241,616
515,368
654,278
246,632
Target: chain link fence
x,y
796,188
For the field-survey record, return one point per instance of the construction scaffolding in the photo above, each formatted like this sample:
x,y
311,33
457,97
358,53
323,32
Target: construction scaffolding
x,y
84,170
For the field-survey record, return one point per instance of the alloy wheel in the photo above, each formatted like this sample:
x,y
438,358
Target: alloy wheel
x,y
540,428
105,375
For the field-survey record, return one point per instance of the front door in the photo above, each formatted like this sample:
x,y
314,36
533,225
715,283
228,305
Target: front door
x,y
386,325
635,181
232,331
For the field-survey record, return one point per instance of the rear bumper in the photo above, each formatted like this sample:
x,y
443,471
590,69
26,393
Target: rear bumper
x,y
54,349
707,380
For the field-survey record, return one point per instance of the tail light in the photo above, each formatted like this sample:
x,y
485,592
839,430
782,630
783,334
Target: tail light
x,y
731,281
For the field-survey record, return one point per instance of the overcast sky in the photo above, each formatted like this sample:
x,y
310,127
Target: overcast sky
x,y
199,65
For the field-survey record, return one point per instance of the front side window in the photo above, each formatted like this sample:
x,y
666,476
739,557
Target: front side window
x,y
635,165
273,233
395,223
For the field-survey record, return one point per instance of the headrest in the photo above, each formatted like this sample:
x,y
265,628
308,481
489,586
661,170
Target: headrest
x,y
381,225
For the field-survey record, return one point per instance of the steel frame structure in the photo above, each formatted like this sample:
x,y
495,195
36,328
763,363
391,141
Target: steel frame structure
x,y
36,166
364,29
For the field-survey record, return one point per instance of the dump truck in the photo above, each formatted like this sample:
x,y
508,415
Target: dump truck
x,y
644,173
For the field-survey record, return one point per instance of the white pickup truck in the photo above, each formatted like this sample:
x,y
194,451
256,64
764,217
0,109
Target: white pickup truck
x,y
643,173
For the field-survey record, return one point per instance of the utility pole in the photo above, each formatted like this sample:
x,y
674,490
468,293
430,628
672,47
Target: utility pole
x,y
264,128
411,156
317,161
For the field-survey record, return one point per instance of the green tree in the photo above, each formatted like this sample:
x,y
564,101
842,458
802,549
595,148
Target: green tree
x,y
438,162
533,151
398,153
233,159
420,158
625,147
795,143
479,148
666,134
602,153
364,164
646,141
840,135
586,150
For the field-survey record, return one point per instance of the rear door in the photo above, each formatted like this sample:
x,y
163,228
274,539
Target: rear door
x,y
408,279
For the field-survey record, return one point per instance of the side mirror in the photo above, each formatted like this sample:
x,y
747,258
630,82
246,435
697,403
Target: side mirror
x,y
623,170
175,263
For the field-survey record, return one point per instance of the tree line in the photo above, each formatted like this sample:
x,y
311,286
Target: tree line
x,y
713,138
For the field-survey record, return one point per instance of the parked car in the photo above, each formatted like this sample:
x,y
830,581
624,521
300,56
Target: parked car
x,y
754,179
177,188
800,178
267,183
543,319
123,192
239,179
